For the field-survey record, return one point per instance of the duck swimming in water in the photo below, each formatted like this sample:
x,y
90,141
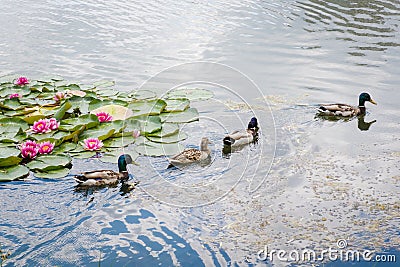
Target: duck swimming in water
x,y
191,155
106,177
239,138
345,110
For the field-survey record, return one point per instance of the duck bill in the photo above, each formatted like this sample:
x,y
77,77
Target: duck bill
x,y
373,102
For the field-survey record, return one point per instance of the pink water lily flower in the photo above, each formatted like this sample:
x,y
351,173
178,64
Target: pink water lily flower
x,y
21,81
29,143
136,133
53,124
92,144
104,116
46,147
41,126
59,96
14,96
29,149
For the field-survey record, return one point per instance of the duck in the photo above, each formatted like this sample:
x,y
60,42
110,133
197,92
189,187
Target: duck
x,y
191,155
345,110
106,177
239,138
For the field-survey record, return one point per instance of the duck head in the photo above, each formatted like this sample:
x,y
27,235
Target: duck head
x,y
365,97
124,160
253,124
204,144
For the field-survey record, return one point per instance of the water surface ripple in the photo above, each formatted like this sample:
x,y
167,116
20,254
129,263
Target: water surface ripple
x,y
328,181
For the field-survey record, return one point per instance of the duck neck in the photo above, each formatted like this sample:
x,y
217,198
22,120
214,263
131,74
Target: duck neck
x,y
362,109
122,165
204,146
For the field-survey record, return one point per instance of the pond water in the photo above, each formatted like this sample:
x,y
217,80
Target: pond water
x,y
308,182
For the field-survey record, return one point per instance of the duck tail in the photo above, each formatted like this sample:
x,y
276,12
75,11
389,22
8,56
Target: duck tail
x,y
80,178
228,141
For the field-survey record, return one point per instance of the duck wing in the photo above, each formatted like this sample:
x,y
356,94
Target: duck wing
x,y
238,138
187,156
100,177
343,110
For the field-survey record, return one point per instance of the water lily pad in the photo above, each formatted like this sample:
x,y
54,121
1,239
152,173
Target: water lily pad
x,y
149,124
46,137
104,130
57,79
49,162
13,125
104,83
47,94
52,174
129,126
166,130
191,94
142,94
97,103
175,105
116,111
62,136
186,116
28,102
22,91
12,104
84,154
152,107
6,145
180,136
108,93
64,147
9,156
76,93
119,141
8,152
62,110
81,103
158,149
88,120
34,116
13,173
12,137
68,87
14,113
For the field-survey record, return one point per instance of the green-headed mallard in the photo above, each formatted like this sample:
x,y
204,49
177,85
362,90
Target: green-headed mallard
x,y
239,138
191,155
105,177
345,110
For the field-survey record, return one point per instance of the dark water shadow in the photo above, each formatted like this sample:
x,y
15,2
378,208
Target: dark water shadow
x,y
362,125
125,188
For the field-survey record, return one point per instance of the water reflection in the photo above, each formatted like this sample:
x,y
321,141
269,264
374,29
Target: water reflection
x,y
363,125
125,187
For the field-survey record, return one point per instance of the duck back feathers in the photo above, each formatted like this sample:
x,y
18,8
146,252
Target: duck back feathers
x,y
239,138
191,155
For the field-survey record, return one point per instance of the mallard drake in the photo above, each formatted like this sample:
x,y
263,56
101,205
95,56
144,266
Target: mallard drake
x,y
106,177
238,138
191,155
345,110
